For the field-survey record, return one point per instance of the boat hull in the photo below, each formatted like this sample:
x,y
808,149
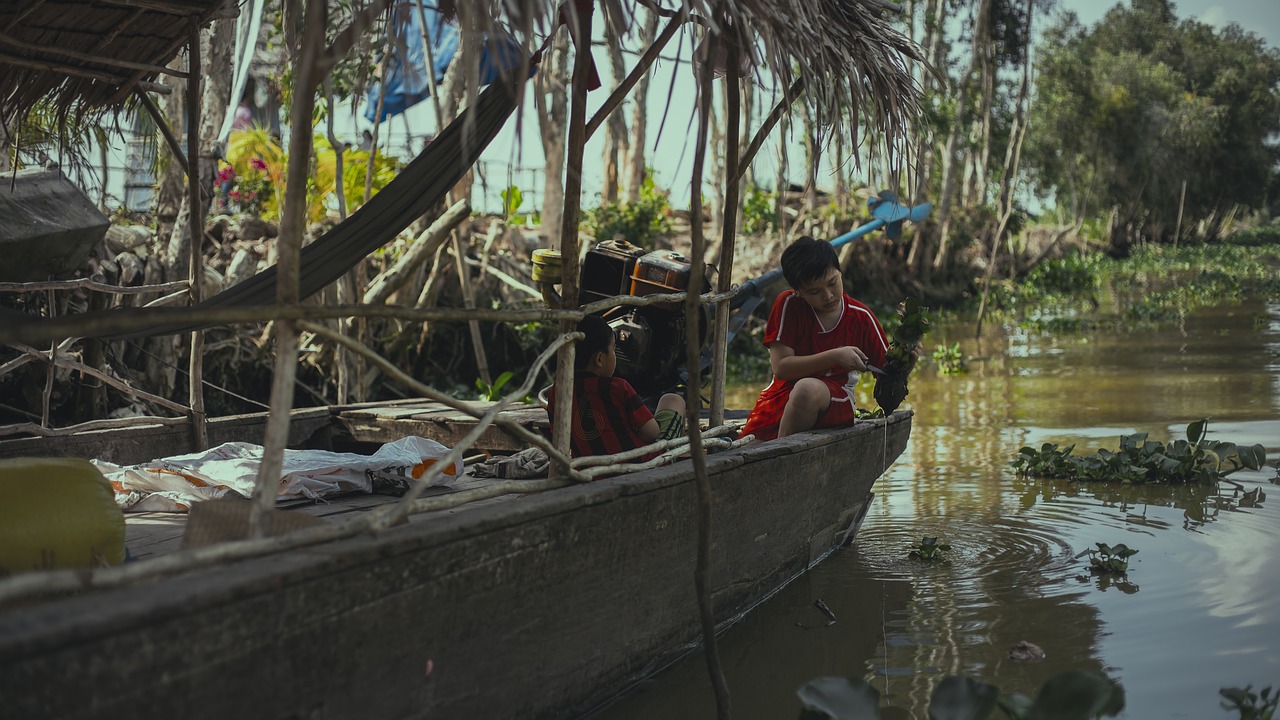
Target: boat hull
x,y
537,606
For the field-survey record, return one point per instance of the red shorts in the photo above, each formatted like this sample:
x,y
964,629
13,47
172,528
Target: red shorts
x,y
765,416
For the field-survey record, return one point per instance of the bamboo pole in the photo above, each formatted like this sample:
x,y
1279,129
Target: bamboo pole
x,y
642,66
57,361
396,374
767,127
401,509
1182,199
562,429
87,284
728,235
195,270
108,324
288,246
693,397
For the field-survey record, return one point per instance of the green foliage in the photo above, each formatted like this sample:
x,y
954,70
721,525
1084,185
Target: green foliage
x,y
1109,560
1071,695
759,215
1252,237
950,360
929,550
913,323
1251,705
512,199
1139,460
1127,110
494,391
640,223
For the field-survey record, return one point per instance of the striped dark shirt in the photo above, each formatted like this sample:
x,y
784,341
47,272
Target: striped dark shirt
x,y
607,415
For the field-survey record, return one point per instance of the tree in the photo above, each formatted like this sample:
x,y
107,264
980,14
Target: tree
x,y
1180,102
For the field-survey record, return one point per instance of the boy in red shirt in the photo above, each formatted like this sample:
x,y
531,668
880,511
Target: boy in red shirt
x,y
816,335
608,416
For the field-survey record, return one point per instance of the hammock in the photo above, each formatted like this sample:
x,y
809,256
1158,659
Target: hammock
x,y
417,189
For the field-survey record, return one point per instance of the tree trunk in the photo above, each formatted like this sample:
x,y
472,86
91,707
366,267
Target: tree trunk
x,y
811,161
170,179
552,102
216,49
715,154
640,115
615,128
949,175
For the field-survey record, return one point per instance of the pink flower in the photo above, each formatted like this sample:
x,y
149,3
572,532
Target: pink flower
x,y
234,195
226,173
258,163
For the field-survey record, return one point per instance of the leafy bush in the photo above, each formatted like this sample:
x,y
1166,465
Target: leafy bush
x,y
640,223
1265,235
758,212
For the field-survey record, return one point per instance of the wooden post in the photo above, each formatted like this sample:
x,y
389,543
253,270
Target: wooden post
x,y
693,398
195,271
728,235
1177,233
293,221
560,435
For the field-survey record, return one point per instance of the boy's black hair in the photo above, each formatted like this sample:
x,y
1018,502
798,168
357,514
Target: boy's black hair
x,y
806,260
598,334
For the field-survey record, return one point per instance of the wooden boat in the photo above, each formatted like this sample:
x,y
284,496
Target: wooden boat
x,y
537,605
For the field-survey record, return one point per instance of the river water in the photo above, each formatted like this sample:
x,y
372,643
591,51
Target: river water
x,y
1198,611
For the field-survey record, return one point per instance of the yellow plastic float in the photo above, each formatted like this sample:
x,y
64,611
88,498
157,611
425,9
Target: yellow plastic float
x,y
57,513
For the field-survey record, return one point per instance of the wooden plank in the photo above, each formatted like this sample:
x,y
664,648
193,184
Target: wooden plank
x,y
520,574
127,446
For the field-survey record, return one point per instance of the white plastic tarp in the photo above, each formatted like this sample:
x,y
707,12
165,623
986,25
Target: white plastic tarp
x,y
172,484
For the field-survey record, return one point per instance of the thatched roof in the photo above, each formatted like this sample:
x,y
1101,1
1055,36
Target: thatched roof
x,y
855,66
89,55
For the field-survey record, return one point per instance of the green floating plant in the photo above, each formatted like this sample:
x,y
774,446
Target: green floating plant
x,y
1110,560
1071,695
950,360
929,550
1141,460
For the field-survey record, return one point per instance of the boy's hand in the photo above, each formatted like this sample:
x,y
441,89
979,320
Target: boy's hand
x,y
850,358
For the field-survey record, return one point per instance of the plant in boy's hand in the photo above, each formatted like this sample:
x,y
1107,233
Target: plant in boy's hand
x,y
904,350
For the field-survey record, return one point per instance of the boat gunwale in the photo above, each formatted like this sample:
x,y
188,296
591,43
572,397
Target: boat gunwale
x,y
78,619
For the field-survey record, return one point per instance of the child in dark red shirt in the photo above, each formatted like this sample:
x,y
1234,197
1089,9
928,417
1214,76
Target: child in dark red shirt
x,y
816,335
608,416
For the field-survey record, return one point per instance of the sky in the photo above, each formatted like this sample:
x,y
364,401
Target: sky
x,y
672,159
515,157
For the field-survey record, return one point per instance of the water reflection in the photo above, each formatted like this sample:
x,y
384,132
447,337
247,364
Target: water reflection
x,y
1196,610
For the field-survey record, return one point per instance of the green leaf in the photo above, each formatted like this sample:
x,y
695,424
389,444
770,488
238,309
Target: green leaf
x,y
1015,706
1074,695
1196,430
962,698
1253,457
841,698
502,380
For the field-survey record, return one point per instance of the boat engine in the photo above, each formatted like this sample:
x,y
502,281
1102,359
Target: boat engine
x,y
651,338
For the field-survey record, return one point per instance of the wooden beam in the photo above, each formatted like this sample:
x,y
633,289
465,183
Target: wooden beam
x,y
160,6
60,69
127,86
85,57
20,16
174,146
642,67
745,161
195,364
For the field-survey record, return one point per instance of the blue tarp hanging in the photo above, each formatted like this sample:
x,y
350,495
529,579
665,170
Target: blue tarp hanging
x,y
405,69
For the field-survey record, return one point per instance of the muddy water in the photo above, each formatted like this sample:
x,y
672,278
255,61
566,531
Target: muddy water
x,y
1199,609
